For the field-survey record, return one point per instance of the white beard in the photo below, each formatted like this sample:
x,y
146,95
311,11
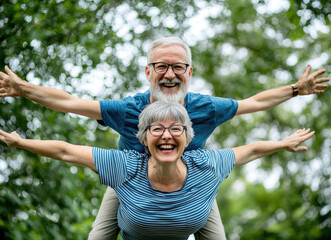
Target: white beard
x,y
158,95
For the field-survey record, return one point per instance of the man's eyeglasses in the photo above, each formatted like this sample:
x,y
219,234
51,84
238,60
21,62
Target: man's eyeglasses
x,y
157,130
162,68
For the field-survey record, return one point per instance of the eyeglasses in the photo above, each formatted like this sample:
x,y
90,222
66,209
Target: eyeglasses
x,y
157,130
162,68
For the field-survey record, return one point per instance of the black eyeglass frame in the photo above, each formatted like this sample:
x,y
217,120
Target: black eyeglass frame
x,y
169,65
169,130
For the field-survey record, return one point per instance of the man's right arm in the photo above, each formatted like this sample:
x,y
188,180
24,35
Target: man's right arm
x,y
12,86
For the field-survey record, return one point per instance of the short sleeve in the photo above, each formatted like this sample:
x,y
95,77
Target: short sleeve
x,y
122,116
207,113
225,109
222,161
111,166
113,113
115,167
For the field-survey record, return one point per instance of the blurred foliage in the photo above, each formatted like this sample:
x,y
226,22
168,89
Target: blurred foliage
x,y
243,50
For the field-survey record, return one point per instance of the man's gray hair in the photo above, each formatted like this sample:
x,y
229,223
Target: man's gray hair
x,y
169,41
161,111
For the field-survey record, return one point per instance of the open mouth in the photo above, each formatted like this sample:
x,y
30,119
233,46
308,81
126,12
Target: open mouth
x,y
169,85
166,147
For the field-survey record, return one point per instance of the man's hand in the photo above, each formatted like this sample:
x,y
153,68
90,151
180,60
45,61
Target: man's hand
x,y
310,84
11,139
292,142
10,84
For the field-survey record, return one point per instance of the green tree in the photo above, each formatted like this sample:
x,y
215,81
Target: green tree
x,y
252,50
242,50
45,41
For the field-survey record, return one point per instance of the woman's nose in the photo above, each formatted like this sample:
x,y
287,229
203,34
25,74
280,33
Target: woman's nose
x,y
166,134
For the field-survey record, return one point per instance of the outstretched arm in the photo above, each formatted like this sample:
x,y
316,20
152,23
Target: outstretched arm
x,y
250,152
307,84
59,150
12,86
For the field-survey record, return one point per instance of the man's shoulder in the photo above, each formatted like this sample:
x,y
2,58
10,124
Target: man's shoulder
x,y
194,101
140,99
138,96
192,97
199,100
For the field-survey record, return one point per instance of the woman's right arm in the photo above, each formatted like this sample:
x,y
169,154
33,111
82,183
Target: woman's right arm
x,y
247,153
58,150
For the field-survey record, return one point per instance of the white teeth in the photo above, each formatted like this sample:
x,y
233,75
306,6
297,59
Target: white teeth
x,y
166,146
169,84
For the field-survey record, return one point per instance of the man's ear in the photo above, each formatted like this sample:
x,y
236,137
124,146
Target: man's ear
x,y
190,72
147,73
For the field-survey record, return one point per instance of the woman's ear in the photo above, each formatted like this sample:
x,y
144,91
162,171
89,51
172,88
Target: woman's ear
x,y
187,143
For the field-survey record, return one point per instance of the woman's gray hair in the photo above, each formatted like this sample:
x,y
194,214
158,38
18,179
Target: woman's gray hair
x,y
169,41
161,111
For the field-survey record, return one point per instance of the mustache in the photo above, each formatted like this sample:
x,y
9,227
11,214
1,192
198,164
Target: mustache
x,y
164,81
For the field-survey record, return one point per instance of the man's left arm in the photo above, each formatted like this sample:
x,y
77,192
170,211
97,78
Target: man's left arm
x,y
307,84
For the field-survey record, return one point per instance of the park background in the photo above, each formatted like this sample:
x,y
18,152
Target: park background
x,y
96,50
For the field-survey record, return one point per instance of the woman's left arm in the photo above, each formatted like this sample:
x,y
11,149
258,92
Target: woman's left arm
x,y
58,150
245,154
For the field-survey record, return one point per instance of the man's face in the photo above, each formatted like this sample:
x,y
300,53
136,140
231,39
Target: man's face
x,y
169,87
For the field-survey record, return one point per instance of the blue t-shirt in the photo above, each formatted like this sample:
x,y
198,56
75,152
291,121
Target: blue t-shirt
x,y
206,113
145,212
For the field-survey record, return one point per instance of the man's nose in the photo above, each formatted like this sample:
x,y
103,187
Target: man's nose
x,y
170,73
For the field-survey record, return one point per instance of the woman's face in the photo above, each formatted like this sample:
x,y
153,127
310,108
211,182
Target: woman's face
x,y
166,148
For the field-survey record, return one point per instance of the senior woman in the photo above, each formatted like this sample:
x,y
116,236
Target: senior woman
x,y
166,193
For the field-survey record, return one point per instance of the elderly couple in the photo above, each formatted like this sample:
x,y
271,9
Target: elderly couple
x,y
162,184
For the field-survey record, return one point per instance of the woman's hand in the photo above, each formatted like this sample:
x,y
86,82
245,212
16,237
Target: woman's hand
x,y
11,139
292,142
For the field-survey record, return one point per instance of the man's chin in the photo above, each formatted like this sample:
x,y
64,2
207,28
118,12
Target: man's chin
x,y
168,95
168,98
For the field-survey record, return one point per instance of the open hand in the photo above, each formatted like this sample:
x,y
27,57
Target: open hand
x,y
292,142
310,84
11,139
10,84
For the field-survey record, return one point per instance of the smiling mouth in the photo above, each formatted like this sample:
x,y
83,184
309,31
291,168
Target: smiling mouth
x,y
169,85
166,147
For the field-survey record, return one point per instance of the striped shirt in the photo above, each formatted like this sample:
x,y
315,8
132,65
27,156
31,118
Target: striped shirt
x,y
147,213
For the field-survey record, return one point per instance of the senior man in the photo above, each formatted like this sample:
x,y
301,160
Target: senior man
x,y
169,69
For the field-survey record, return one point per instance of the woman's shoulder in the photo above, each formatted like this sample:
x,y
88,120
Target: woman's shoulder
x,y
134,154
205,155
197,156
118,154
198,152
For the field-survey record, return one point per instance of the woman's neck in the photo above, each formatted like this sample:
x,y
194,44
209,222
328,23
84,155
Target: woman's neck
x,y
167,177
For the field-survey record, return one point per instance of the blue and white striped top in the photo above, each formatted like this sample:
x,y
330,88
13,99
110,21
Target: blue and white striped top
x,y
147,213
